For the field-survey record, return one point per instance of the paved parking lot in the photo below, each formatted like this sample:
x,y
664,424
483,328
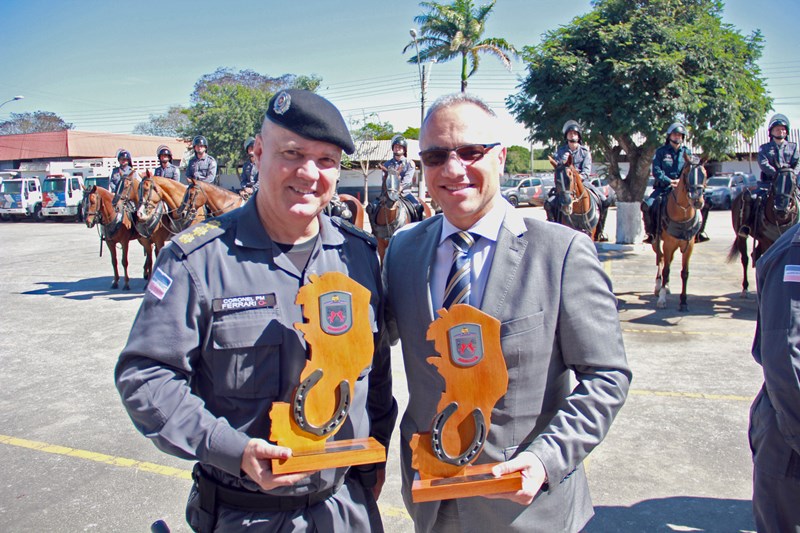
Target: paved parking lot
x,y
677,458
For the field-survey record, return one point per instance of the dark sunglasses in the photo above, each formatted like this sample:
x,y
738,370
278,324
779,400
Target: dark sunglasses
x,y
468,153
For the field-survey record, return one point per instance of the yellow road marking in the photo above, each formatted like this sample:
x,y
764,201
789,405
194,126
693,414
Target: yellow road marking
x,y
709,333
97,457
386,510
695,395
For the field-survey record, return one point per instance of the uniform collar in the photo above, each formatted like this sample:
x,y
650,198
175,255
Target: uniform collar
x,y
250,232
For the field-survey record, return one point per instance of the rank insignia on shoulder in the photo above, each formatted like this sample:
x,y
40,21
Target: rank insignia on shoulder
x,y
355,230
198,231
197,235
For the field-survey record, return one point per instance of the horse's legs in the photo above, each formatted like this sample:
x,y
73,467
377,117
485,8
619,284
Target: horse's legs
x,y
669,252
685,276
741,243
148,260
124,244
112,248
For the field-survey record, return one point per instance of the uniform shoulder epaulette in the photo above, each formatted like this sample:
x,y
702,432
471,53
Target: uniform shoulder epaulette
x,y
353,230
196,236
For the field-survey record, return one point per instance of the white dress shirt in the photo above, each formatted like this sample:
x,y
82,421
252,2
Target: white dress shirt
x,y
481,254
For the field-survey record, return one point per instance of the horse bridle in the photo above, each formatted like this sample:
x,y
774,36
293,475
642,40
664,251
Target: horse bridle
x,y
96,214
783,188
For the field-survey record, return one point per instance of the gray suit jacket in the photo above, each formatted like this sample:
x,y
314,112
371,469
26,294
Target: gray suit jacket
x,y
559,318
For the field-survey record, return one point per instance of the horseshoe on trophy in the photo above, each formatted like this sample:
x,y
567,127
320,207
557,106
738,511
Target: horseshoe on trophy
x,y
474,447
299,405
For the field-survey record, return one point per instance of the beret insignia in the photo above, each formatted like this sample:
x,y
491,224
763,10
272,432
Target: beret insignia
x,y
282,103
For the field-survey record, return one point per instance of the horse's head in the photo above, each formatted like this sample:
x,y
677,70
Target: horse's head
x,y
191,202
694,180
90,205
391,187
149,197
782,190
565,181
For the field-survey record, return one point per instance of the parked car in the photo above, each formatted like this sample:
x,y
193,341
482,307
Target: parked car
x,y
603,185
100,181
742,182
519,190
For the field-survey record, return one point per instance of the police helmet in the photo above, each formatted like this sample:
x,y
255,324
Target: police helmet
x,y
199,140
676,127
572,125
164,150
399,139
122,153
778,120
248,143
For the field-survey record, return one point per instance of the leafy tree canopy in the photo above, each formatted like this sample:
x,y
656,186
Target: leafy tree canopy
x,y
518,160
36,122
451,31
632,68
228,107
170,124
411,133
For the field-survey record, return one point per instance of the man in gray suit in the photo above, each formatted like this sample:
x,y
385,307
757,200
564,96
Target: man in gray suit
x,y
545,284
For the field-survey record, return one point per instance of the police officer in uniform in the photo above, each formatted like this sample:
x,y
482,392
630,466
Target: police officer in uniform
x,y
400,162
213,345
249,177
668,163
582,160
775,414
779,153
121,172
166,169
202,166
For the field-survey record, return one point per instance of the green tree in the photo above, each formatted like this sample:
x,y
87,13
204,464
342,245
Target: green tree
x,y
411,133
449,31
228,107
36,122
170,124
364,132
518,160
626,70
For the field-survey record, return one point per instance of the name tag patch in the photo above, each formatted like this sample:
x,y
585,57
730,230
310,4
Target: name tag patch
x,y
159,284
791,273
239,303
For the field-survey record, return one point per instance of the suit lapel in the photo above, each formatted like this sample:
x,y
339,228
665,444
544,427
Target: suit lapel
x,y
422,285
507,258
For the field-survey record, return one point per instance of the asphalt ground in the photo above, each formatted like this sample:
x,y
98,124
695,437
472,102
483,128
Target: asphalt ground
x,y
676,458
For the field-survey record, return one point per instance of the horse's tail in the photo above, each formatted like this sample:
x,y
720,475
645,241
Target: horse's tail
x,y
735,252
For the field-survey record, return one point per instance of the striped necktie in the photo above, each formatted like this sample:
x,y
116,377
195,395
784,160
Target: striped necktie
x,y
457,289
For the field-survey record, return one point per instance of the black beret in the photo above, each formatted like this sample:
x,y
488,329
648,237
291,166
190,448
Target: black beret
x,y
311,116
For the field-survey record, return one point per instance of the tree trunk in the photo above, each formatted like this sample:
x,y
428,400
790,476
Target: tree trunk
x,y
629,222
631,190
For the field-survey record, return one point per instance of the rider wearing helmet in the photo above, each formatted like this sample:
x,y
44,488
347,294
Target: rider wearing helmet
x,y
405,167
778,154
582,160
202,166
668,163
165,168
122,171
249,177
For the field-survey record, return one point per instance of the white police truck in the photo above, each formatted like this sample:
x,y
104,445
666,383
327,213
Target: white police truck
x,y
20,197
62,195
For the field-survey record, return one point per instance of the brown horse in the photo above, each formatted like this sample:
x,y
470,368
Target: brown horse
x,y
390,211
777,213
678,225
157,209
578,208
125,201
116,227
204,199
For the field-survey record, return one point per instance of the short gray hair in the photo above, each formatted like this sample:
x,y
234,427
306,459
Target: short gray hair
x,y
449,100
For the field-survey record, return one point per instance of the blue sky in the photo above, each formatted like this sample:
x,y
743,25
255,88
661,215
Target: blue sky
x,y
106,66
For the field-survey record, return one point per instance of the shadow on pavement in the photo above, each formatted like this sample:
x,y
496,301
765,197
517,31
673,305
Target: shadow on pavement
x,y
730,305
86,289
682,513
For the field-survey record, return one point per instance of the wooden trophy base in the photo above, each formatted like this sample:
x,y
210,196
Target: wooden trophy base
x,y
476,481
336,454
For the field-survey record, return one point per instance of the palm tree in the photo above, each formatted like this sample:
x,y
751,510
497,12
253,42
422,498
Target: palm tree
x,y
452,30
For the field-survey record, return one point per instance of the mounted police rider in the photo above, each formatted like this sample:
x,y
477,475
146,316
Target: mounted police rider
x,y
668,163
582,160
121,172
166,169
778,154
249,177
399,162
202,166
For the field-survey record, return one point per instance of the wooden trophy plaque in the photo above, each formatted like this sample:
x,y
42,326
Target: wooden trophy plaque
x,y
338,332
471,362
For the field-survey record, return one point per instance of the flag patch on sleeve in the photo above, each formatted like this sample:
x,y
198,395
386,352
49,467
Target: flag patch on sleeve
x,y
159,284
791,273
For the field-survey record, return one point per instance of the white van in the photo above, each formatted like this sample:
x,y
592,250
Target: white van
x,y
61,196
20,198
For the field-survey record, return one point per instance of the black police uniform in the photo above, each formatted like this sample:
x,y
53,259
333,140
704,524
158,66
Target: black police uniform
x,y
199,379
249,175
775,414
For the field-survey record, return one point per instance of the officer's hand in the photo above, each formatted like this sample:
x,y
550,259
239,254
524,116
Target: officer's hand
x,y
674,182
533,475
256,464
381,475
